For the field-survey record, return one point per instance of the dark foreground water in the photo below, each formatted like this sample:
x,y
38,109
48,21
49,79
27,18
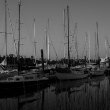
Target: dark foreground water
x,y
87,94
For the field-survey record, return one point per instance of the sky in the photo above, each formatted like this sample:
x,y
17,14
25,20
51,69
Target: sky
x,y
83,12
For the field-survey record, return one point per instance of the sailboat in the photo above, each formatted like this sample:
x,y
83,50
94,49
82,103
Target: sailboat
x,y
68,73
4,62
22,80
5,71
97,70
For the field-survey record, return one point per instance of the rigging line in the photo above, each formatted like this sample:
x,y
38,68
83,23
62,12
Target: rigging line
x,y
2,47
75,38
85,45
107,45
84,49
12,30
54,49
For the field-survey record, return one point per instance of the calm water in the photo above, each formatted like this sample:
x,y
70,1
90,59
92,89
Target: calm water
x,y
88,94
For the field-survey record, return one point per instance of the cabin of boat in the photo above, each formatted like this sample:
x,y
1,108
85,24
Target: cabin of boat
x,y
15,78
24,78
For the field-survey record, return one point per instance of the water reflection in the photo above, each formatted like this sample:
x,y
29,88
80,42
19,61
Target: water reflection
x,y
69,94
26,100
87,94
31,101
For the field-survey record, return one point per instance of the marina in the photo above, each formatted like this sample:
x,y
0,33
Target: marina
x,y
49,63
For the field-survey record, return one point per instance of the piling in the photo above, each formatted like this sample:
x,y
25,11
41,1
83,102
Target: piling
x,y
42,58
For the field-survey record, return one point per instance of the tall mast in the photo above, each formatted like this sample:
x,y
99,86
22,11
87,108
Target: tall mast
x,y
19,32
68,37
48,48
34,41
6,28
89,48
19,27
86,45
106,48
97,40
64,33
76,43
95,46
46,41
86,40
48,52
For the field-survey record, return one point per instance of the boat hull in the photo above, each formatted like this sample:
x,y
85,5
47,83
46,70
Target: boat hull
x,y
13,90
71,76
97,73
11,85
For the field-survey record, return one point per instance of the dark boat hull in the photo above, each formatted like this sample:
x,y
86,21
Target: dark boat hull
x,y
22,86
17,91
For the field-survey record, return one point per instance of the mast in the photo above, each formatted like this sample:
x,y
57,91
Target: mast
x,y
19,32
6,29
68,37
45,40
97,34
34,41
89,49
76,41
106,48
95,46
48,48
48,51
86,40
64,33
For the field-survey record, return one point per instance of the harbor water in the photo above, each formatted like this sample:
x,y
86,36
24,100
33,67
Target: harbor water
x,y
86,94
